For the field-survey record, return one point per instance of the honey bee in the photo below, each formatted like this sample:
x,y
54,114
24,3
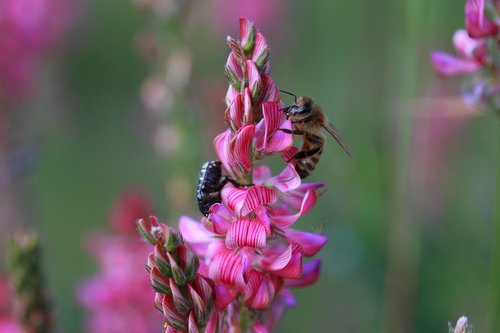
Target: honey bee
x,y
308,121
210,183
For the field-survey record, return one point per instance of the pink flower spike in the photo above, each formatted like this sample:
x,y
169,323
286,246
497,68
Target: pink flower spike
x,y
311,243
448,65
233,71
245,232
248,34
254,81
310,274
476,23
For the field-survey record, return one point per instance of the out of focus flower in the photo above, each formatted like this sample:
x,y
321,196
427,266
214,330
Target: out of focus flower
x,y
462,326
28,30
118,298
477,47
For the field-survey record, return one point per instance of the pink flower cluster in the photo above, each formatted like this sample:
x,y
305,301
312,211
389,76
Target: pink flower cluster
x,y
476,46
28,29
247,245
118,299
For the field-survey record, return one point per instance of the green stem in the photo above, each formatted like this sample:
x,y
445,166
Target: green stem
x,y
495,263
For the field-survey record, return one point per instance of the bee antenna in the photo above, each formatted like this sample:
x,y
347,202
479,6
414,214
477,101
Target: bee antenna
x,y
289,93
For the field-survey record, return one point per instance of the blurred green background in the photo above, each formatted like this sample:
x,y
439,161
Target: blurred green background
x,y
410,237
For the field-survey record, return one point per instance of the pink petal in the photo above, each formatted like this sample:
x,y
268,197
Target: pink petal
x,y
233,197
448,65
227,268
212,322
222,143
233,71
288,154
261,174
263,296
465,45
241,148
311,243
224,295
254,81
259,328
269,91
258,196
220,217
287,180
260,54
247,107
231,95
245,232
293,269
254,279
476,23
247,33
280,141
296,197
284,218
310,274
277,262
194,233
234,112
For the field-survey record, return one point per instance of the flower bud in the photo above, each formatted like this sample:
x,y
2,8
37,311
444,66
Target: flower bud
x,y
172,239
192,325
159,282
177,272
248,34
188,262
144,229
161,261
172,316
181,303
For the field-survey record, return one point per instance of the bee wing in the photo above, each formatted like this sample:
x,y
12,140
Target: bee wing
x,y
335,134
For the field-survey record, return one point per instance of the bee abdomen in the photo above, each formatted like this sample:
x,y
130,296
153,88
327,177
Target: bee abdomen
x,y
209,186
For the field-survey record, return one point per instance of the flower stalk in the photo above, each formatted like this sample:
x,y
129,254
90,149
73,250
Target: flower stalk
x,y
27,276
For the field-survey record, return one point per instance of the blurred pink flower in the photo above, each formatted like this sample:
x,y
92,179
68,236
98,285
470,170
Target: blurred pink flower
x,y
476,22
118,298
8,321
28,30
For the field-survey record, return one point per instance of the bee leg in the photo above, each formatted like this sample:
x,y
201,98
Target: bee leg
x,y
287,131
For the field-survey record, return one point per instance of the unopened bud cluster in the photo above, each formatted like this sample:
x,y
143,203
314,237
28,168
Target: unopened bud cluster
x,y
185,298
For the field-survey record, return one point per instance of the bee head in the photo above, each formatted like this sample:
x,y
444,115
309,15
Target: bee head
x,y
302,106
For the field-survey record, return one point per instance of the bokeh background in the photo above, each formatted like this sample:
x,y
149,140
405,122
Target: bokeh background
x,y
410,218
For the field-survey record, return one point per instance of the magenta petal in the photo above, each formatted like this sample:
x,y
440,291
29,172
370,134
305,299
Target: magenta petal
x,y
233,71
254,81
287,180
227,268
288,154
465,45
476,23
277,262
263,295
269,91
222,143
247,106
242,147
220,217
235,112
259,328
231,95
260,54
258,196
193,231
224,296
261,174
310,274
245,232
273,118
447,65
233,197
280,141
311,243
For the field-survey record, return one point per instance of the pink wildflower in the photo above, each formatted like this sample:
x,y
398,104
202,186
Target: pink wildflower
x,y
28,30
118,299
246,243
